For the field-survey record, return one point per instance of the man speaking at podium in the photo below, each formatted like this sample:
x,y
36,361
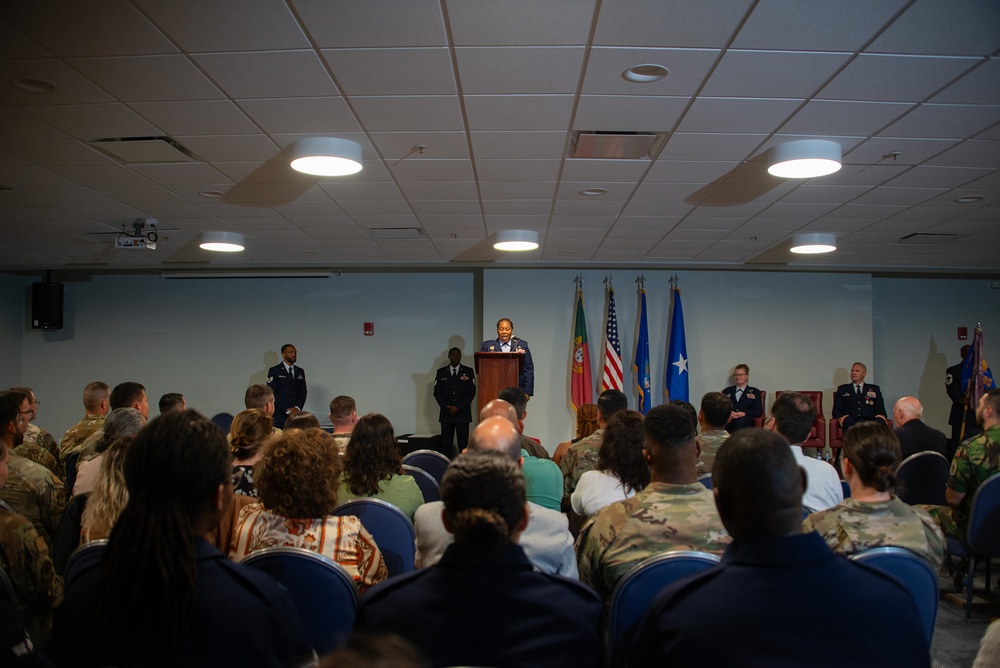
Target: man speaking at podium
x,y
506,342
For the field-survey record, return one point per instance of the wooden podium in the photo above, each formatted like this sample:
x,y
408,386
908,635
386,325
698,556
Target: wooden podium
x,y
496,371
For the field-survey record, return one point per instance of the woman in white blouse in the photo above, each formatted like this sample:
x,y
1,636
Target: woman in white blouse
x,y
621,469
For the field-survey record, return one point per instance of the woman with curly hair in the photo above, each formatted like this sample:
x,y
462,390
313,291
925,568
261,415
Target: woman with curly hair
x,y
161,595
110,494
872,515
373,466
621,469
296,478
586,424
250,430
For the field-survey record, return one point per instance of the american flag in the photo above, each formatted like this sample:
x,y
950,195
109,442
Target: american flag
x,y
612,377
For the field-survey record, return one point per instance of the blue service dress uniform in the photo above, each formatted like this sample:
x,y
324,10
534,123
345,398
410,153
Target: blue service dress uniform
x,y
288,391
456,390
750,402
858,407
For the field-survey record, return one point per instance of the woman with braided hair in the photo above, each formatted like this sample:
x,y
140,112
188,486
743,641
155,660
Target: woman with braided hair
x,y
161,595
498,609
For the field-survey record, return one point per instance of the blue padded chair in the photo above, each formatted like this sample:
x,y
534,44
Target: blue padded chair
x,y
846,489
425,481
983,537
322,590
913,572
706,480
84,558
223,420
921,478
429,460
389,526
637,588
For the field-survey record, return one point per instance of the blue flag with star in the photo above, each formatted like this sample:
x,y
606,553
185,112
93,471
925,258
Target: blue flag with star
x,y
641,365
676,381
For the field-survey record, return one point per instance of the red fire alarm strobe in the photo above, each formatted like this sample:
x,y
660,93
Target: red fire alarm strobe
x,y
369,329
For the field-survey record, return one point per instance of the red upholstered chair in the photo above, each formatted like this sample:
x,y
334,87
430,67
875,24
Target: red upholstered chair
x,y
817,435
759,422
837,440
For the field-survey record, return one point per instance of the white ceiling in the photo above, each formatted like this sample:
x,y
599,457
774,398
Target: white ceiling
x,y
494,90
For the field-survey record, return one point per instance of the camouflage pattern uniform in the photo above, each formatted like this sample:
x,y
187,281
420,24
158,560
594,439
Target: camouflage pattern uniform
x,y
660,518
975,460
709,442
88,448
78,433
33,491
40,455
38,436
25,558
853,526
580,458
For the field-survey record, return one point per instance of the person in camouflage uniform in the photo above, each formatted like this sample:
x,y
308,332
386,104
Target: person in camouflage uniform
x,y
125,395
23,396
96,404
31,490
582,455
713,416
35,434
24,555
673,512
873,516
976,459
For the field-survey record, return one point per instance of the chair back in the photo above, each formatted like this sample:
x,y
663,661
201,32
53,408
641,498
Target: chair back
x,y
389,526
846,488
425,481
84,558
223,420
817,435
921,478
984,519
636,590
323,592
706,480
433,462
759,421
6,588
913,572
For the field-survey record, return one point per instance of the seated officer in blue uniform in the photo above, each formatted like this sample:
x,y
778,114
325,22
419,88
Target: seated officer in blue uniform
x,y
483,603
507,342
858,401
748,403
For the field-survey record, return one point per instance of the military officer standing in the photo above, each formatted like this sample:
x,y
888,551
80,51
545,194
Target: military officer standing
x,y
454,390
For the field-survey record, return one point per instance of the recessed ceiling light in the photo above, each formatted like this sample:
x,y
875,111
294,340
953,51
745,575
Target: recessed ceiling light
x,y
804,159
645,73
593,192
969,199
211,194
34,86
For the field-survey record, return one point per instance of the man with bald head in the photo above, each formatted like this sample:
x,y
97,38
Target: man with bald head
x,y
772,577
543,479
547,540
915,436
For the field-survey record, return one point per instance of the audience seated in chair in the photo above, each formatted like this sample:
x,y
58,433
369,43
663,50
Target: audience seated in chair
x,y
120,422
546,542
582,455
793,416
673,512
110,496
248,433
162,595
483,603
541,475
873,516
621,466
373,466
297,481
772,578
712,418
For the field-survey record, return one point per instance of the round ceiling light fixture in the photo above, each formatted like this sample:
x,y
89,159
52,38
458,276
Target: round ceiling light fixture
x,y
222,242
594,192
814,243
325,156
33,86
968,199
516,240
804,159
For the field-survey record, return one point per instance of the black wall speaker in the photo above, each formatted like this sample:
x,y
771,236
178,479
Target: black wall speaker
x,y
46,305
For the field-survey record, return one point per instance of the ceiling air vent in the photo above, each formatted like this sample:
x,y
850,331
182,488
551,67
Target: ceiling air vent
x,y
144,150
617,145
395,233
926,239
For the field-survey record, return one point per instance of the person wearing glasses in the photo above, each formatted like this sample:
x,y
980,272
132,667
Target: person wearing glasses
x,y
747,401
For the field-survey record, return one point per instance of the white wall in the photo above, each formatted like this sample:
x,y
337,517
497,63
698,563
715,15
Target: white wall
x,y
915,335
210,338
